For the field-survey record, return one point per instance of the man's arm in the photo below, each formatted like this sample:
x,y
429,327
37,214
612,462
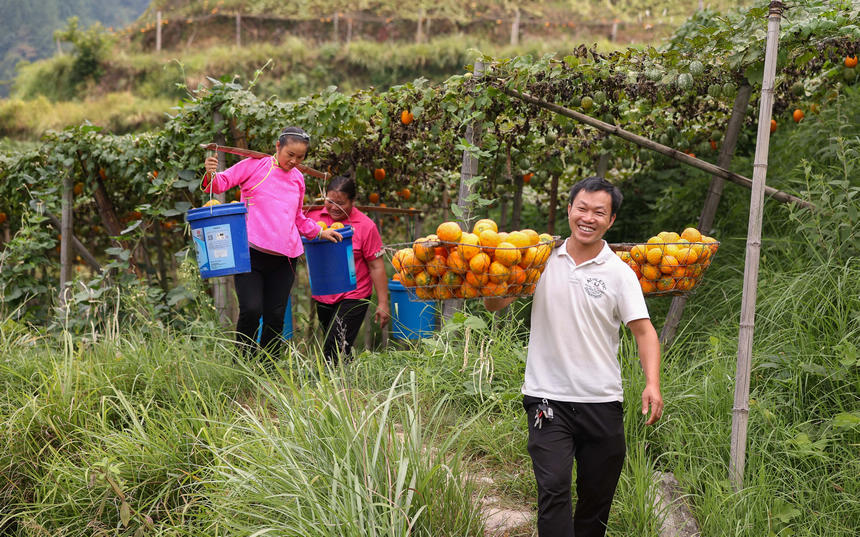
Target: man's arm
x,y
649,356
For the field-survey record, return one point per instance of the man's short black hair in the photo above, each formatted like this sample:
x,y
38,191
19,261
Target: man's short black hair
x,y
594,184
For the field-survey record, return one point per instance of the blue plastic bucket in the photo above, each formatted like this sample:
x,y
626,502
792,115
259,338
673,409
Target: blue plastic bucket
x,y
287,331
331,265
410,319
220,237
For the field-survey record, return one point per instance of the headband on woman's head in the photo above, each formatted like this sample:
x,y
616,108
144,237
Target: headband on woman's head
x,y
294,132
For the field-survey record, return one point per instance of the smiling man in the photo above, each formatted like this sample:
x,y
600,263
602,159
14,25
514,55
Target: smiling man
x,y
572,391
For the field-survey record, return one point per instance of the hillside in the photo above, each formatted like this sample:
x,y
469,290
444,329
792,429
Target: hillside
x,y
186,24
29,27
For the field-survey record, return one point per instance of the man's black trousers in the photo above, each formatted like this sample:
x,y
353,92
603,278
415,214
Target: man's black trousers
x,y
593,435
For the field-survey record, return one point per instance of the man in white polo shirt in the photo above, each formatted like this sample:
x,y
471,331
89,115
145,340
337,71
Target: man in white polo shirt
x,y
572,390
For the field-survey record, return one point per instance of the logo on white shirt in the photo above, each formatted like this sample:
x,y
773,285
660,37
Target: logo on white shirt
x,y
594,287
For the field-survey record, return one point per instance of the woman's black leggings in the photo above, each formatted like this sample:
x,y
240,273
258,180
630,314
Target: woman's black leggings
x,y
341,322
263,292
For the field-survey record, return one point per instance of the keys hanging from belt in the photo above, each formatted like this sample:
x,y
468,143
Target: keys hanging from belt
x,y
542,412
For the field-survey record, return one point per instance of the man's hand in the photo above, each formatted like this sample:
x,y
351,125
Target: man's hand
x,y
649,356
651,397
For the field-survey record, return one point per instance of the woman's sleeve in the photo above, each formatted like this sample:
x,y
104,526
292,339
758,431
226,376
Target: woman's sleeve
x,y
232,176
373,243
307,227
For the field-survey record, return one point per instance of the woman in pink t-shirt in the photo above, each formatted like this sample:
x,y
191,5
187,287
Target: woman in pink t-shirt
x,y
273,189
341,315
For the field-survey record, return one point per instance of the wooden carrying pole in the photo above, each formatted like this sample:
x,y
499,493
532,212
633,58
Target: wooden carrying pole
x,y
660,148
740,410
259,154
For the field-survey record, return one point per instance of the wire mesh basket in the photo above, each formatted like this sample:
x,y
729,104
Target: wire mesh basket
x,y
668,268
441,270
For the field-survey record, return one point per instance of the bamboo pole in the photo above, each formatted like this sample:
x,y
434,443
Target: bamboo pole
x,y
712,201
660,148
65,236
740,410
468,170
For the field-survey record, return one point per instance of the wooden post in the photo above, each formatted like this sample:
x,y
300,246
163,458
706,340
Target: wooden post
x,y
77,244
158,31
712,201
469,167
553,204
349,29
515,28
238,29
222,288
517,209
335,27
740,410
468,170
613,33
659,148
66,236
427,22
59,48
419,35
730,140
162,264
509,179
602,165
368,327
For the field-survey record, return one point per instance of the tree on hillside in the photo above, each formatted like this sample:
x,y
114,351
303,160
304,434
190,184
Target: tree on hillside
x,y
91,47
29,26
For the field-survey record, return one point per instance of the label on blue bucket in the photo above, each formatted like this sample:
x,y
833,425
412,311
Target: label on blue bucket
x,y
350,263
219,245
200,248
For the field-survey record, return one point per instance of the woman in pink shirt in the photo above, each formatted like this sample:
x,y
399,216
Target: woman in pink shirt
x,y
341,315
273,189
